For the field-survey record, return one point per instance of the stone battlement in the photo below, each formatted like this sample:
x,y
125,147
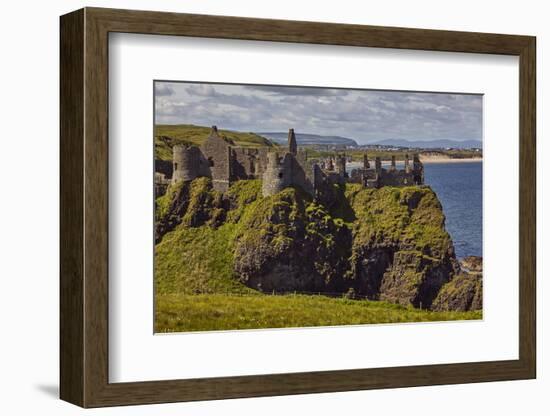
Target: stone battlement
x,y
377,176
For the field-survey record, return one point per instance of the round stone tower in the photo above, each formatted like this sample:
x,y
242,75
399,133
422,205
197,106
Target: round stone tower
x,y
186,161
275,177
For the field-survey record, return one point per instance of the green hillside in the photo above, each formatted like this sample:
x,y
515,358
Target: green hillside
x,y
168,135
199,259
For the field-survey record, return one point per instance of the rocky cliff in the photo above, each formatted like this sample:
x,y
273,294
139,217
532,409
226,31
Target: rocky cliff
x,y
384,244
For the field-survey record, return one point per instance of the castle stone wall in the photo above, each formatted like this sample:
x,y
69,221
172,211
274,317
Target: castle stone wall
x,y
302,175
249,163
378,177
393,177
261,161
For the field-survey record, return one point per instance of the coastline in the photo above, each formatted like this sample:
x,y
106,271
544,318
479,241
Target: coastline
x,y
450,160
426,160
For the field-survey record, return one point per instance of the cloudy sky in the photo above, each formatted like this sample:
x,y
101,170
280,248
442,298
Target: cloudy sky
x,y
363,115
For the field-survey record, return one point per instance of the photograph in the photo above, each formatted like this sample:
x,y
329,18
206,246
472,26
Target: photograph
x,y
282,206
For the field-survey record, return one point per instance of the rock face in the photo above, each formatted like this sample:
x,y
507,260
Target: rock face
x,y
383,244
289,243
463,293
401,250
415,279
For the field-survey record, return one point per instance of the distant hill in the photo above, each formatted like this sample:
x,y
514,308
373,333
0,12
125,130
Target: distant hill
x,y
430,144
304,139
169,135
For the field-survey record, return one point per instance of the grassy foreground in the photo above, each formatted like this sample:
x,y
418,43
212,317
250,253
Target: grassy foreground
x,y
210,312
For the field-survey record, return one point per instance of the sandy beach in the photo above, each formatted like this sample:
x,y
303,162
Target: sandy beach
x,y
442,159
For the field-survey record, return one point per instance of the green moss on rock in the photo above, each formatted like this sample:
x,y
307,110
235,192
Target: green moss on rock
x,y
170,208
241,194
463,293
288,242
206,205
401,251
189,203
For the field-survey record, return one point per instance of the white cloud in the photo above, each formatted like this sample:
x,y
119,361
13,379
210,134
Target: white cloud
x,y
163,89
364,115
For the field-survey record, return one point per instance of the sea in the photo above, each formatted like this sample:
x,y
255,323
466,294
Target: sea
x,y
459,187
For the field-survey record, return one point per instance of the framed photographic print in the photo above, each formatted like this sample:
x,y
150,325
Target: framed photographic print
x,y
255,207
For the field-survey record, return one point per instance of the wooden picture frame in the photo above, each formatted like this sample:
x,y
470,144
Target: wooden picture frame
x,y
84,207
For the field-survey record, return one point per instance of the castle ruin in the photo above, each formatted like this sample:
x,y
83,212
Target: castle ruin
x,y
378,176
219,159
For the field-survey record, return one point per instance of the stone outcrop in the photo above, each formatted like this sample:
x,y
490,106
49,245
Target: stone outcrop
x,y
170,208
401,251
415,279
463,293
191,204
291,244
472,264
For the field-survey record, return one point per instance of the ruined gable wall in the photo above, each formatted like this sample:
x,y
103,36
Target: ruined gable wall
x,y
217,153
302,175
261,161
248,163
242,165
204,166
245,163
